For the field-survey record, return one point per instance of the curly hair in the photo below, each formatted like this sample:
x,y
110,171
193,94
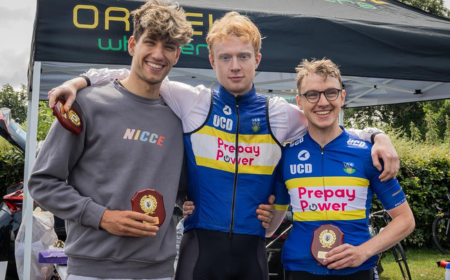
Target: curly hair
x,y
234,24
162,20
323,67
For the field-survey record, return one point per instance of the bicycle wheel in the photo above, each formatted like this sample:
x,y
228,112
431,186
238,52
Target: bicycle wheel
x,y
400,258
441,233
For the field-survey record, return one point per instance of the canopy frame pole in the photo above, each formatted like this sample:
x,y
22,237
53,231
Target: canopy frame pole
x,y
275,82
30,158
359,96
431,87
383,85
366,92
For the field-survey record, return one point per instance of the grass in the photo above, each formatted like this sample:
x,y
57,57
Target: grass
x,y
421,262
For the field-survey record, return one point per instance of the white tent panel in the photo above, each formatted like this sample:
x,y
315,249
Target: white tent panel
x,y
361,91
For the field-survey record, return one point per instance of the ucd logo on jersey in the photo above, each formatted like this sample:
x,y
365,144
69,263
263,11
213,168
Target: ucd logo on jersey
x,y
349,167
357,143
300,168
227,110
256,123
303,155
223,122
296,142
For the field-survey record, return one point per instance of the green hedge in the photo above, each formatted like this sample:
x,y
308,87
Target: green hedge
x,y
11,168
425,178
426,183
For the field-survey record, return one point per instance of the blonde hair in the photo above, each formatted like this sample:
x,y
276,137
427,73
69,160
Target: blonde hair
x,y
162,20
324,67
234,24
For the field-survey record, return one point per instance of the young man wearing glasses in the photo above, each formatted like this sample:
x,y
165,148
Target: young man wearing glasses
x,y
337,189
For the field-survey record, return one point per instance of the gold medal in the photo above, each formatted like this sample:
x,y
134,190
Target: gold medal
x,y
148,204
74,118
327,238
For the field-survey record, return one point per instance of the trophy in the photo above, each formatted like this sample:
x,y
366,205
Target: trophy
x,y
151,203
326,238
69,120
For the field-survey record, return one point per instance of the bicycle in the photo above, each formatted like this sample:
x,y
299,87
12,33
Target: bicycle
x,y
274,245
441,230
397,249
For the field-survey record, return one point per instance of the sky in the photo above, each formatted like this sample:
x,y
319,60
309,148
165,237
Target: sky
x,y
16,29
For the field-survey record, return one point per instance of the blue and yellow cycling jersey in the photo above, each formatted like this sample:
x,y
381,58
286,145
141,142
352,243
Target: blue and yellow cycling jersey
x,y
232,159
330,185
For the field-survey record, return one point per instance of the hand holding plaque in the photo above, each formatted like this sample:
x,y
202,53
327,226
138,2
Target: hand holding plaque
x,y
69,120
151,203
325,238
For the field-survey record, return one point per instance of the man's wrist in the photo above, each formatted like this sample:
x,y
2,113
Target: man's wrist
x,y
372,138
88,81
103,220
367,250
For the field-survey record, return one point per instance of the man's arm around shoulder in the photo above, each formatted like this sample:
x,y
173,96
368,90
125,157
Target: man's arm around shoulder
x,y
67,91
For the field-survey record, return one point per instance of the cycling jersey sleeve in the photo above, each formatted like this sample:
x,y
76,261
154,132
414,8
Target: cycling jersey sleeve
x,y
389,192
190,104
365,134
282,198
287,122
105,75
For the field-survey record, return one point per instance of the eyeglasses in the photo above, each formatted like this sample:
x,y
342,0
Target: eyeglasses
x,y
313,96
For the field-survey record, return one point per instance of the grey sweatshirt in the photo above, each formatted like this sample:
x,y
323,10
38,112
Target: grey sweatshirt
x,y
128,144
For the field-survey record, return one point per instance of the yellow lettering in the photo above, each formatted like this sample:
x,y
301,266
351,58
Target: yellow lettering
x,y
125,18
137,135
195,22
85,7
210,21
378,2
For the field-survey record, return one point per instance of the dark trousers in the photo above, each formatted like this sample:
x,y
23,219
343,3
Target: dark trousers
x,y
303,275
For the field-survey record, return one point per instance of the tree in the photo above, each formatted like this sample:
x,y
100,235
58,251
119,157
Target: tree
x,y
45,120
447,130
397,116
439,110
15,100
435,7
415,132
432,135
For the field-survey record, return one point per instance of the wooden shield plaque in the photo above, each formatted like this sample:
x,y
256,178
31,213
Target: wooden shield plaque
x,y
149,202
69,120
326,238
